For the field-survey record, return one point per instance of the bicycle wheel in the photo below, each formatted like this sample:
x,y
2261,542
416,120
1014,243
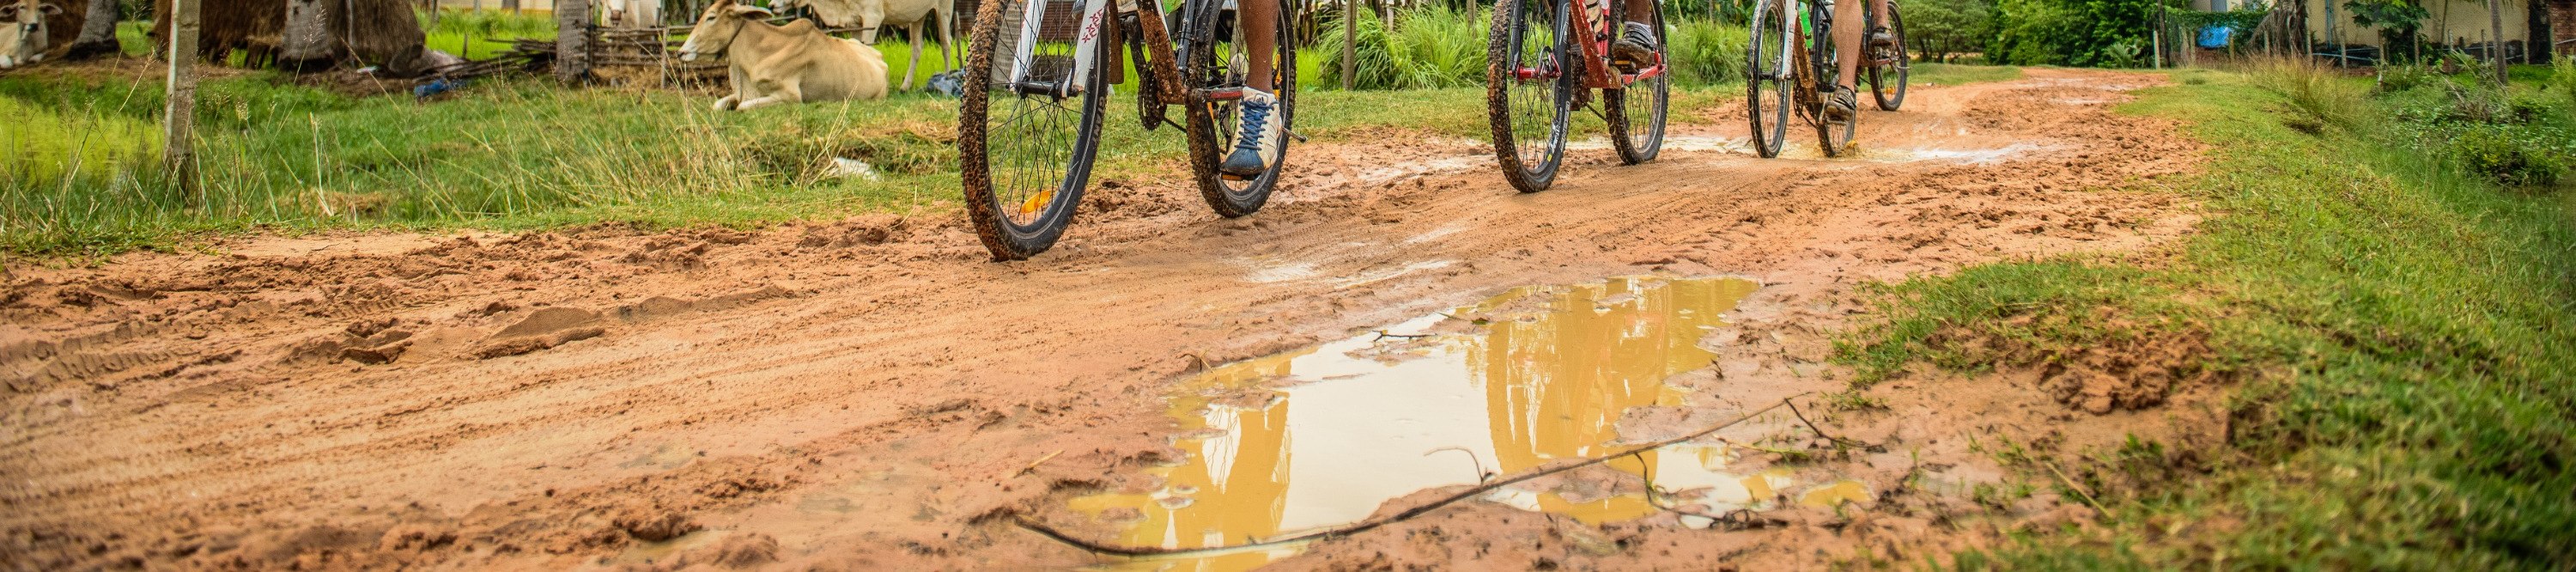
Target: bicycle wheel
x,y
1766,78
1890,64
1637,111
1834,136
1025,151
1529,83
1213,125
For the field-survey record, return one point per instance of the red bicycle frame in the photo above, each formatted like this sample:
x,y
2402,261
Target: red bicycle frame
x,y
1594,50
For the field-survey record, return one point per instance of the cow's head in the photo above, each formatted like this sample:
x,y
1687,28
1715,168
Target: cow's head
x,y
23,40
717,28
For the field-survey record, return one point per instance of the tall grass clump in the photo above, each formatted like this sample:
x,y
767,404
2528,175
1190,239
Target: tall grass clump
x,y
1707,52
509,153
2318,95
2562,79
1429,47
481,34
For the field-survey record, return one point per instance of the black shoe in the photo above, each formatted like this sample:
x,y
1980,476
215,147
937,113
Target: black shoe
x,y
1636,44
1881,37
1841,103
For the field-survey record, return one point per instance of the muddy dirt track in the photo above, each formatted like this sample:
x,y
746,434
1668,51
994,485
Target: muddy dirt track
x,y
874,394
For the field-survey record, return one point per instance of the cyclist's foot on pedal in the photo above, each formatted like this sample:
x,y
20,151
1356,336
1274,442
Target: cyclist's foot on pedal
x,y
1258,145
1841,103
1880,37
1636,44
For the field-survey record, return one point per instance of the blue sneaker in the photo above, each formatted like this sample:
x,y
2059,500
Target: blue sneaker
x,y
1258,145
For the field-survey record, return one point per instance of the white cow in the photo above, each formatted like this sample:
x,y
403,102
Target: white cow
x,y
783,64
23,41
869,15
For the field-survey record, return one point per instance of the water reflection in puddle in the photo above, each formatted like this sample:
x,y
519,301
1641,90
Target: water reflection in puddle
x,y
1322,436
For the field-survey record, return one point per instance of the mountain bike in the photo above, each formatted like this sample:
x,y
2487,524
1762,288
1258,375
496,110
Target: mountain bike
x,y
1538,69
1038,77
1887,65
1789,57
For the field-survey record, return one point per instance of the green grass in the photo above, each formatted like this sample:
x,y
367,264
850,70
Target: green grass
x,y
519,153
2403,336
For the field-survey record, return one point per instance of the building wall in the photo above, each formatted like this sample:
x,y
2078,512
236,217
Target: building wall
x,y
2452,21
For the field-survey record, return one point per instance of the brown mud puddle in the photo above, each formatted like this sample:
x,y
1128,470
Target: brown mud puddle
x,y
1321,436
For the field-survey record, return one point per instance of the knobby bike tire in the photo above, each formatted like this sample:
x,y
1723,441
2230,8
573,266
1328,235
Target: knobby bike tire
x,y
1768,113
1880,76
1505,46
1639,142
1834,138
990,208
1214,126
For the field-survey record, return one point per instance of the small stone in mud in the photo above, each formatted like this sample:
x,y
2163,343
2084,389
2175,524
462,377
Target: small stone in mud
x,y
549,320
656,526
376,355
520,345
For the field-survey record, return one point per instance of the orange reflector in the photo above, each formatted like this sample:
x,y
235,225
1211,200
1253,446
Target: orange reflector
x,y
1037,201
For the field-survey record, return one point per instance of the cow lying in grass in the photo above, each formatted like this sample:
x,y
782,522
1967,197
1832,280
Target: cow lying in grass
x,y
783,64
24,40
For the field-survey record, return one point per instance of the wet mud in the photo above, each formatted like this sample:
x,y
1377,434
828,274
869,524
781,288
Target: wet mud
x,y
872,393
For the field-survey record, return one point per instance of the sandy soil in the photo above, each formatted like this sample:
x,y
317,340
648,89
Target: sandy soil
x,y
873,393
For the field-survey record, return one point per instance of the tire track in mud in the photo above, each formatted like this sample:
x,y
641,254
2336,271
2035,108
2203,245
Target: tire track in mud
x,y
200,411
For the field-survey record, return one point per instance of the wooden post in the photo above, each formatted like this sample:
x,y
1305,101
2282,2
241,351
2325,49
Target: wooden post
x,y
179,118
572,40
2495,46
1350,40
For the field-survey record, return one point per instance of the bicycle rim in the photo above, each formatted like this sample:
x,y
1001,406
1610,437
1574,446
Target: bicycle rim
x,y
1638,110
1214,125
1025,158
1887,81
1766,84
1529,111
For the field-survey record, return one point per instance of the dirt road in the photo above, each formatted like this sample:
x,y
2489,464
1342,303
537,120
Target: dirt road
x,y
874,393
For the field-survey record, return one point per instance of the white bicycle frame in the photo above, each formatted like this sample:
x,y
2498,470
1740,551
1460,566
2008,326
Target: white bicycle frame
x,y
1095,14
1791,12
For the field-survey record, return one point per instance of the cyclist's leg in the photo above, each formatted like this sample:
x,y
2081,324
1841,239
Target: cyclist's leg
x,y
1847,32
1257,147
1261,35
1878,32
1637,37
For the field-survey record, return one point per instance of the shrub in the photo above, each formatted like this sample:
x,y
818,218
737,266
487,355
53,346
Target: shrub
x,y
2105,33
2316,93
2562,79
1429,47
2500,156
2397,78
1940,29
1705,52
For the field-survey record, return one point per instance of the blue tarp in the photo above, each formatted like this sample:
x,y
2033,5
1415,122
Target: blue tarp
x,y
2215,37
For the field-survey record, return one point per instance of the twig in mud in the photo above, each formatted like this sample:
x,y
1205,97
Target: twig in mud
x,y
1481,473
1820,432
1381,334
1033,465
1408,514
2079,489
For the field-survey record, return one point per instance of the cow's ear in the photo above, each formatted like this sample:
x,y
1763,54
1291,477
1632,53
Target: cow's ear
x,y
9,12
49,9
749,11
